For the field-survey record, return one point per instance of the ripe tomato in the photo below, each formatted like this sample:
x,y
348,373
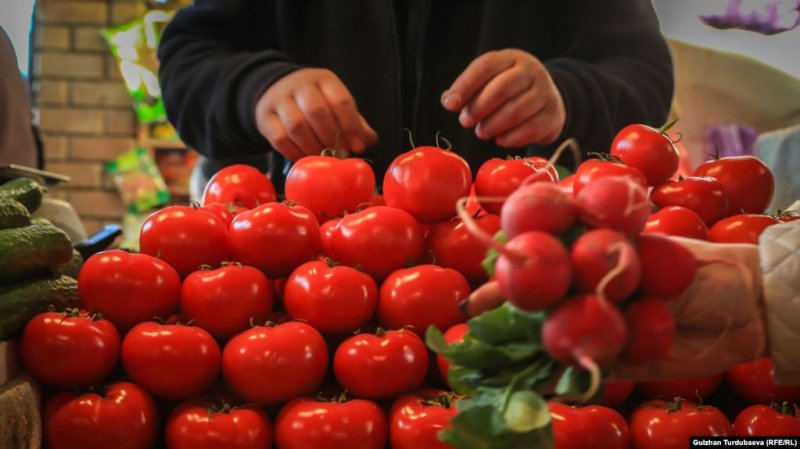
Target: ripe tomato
x,y
427,182
676,220
668,425
172,361
330,186
185,238
764,421
382,365
326,230
416,419
703,195
648,149
689,388
616,392
312,424
378,239
128,288
747,182
498,178
745,228
453,246
334,300
122,417
223,301
239,185
201,425
590,427
453,335
275,238
270,365
753,383
567,184
219,210
69,349
594,169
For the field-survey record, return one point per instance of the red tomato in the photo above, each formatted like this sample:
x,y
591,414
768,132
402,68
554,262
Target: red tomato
x,y
753,383
416,419
616,392
381,366
334,300
763,421
128,288
427,182
590,427
185,238
453,246
498,178
567,184
311,424
648,149
219,210
703,195
69,349
377,200
239,185
225,300
270,365
453,335
378,239
745,228
422,296
275,238
123,417
676,220
594,169
689,388
747,182
330,186
668,425
172,361
200,425
326,234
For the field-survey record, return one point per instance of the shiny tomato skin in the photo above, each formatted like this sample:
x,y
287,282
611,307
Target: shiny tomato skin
x,y
326,230
647,149
172,361
453,246
69,351
567,184
498,178
185,238
753,383
594,169
334,300
689,388
416,419
616,392
239,185
453,335
747,181
306,423
678,221
381,366
125,417
275,238
765,421
270,365
590,427
703,195
128,289
219,210
194,425
654,426
422,296
744,228
379,240
427,182
223,301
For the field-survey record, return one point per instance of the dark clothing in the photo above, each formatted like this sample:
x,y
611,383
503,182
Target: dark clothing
x,y
607,57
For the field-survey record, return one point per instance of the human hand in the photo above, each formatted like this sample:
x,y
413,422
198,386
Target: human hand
x,y
508,96
307,111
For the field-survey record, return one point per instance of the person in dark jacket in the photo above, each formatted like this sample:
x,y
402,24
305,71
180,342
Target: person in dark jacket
x,y
247,79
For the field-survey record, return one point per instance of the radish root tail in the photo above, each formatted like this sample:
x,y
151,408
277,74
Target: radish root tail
x,y
569,144
623,262
588,364
483,236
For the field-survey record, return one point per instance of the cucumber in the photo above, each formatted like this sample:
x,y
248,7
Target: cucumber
x,y
13,214
24,300
73,267
31,251
25,190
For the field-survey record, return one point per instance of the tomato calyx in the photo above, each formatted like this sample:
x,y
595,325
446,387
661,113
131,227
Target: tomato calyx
x,y
222,406
331,263
78,313
340,398
785,408
667,126
230,263
786,215
334,152
444,400
268,323
447,142
606,157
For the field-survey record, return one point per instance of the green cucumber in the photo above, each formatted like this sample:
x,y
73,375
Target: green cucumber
x,y
25,190
13,214
73,267
24,300
31,251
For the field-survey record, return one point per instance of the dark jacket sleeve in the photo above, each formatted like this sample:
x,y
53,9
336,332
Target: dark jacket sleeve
x,y
214,66
617,70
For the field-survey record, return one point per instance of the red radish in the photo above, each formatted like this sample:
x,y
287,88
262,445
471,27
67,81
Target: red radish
x,y
567,184
501,177
539,206
615,202
615,392
676,220
668,268
598,252
651,331
594,169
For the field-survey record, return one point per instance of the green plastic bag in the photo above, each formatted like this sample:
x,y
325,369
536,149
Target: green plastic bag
x,y
139,181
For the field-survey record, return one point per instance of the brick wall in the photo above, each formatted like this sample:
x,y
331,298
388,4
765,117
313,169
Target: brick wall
x,y
86,116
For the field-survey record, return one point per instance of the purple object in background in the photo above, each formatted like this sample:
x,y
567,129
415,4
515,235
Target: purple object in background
x,y
732,139
777,16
